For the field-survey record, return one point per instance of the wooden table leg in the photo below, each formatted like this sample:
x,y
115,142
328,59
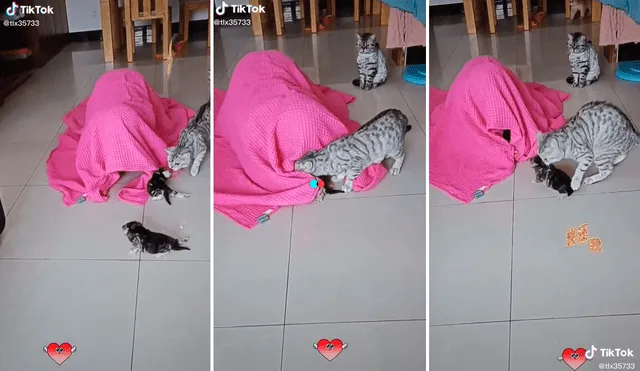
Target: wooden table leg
x,y
525,14
596,11
376,7
256,20
107,30
313,14
567,9
277,10
356,10
514,7
367,7
384,14
491,10
469,16
301,9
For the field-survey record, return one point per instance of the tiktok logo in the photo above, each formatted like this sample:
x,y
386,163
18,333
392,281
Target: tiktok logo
x,y
219,10
13,9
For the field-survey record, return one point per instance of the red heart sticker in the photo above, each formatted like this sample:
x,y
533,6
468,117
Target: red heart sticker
x,y
59,353
574,358
330,349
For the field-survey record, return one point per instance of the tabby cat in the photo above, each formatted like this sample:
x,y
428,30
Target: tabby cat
x,y
372,64
583,59
194,142
598,133
151,242
158,188
346,157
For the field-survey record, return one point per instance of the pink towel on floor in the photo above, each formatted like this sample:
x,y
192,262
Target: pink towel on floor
x,y
271,115
123,126
466,147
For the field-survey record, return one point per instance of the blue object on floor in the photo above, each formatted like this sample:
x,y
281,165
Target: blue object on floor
x,y
629,71
416,74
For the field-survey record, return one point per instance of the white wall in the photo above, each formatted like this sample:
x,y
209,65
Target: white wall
x,y
84,15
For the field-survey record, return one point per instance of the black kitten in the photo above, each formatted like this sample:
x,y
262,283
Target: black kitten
x,y
328,185
150,242
158,188
555,178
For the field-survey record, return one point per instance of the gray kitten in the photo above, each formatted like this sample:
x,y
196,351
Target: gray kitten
x,y
583,59
346,157
599,132
194,142
372,64
150,242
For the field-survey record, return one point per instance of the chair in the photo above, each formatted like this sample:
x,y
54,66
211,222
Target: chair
x,y
370,7
147,10
187,7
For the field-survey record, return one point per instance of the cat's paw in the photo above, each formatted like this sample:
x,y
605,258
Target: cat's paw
x,y
194,171
346,188
368,87
321,195
394,171
575,184
134,251
587,181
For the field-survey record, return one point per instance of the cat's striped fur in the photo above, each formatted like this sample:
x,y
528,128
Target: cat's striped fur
x,y
599,133
372,63
194,142
345,158
583,59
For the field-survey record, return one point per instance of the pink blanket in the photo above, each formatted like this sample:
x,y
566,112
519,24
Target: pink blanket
x,y
123,126
466,149
271,115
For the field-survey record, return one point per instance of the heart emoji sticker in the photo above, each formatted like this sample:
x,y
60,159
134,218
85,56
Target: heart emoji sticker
x,y
330,349
574,358
59,353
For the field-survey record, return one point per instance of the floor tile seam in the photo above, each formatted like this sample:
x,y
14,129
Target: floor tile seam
x,y
522,320
320,323
286,290
135,317
415,117
373,197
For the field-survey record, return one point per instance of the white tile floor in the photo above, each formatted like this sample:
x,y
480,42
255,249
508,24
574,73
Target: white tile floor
x,y
65,273
505,292
351,268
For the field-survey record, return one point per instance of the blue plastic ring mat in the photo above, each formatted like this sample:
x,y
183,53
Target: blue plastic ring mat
x,y
629,71
416,74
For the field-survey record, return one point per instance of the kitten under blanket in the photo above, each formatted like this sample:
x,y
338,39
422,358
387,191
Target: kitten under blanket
x,y
555,178
151,242
158,187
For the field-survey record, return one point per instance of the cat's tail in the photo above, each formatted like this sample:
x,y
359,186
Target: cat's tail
x,y
166,197
408,129
356,82
332,191
570,80
179,248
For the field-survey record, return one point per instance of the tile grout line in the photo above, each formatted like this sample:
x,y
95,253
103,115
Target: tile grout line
x,y
286,292
135,310
335,323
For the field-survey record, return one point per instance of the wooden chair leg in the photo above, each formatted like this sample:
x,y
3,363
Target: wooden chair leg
x,y
491,10
332,5
256,20
469,16
356,10
376,7
279,16
186,16
301,9
130,42
166,36
314,13
514,7
367,7
209,32
567,9
154,31
181,20
596,11
525,14
384,14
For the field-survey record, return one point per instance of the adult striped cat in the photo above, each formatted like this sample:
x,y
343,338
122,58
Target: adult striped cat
x,y
372,63
346,157
194,142
599,133
583,59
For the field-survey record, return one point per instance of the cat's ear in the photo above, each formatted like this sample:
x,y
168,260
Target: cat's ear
x,y
570,37
582,38
170,151
359,35
372,37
